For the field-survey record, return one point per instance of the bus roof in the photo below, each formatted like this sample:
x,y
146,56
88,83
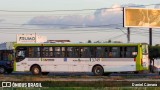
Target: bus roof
x,y
78,44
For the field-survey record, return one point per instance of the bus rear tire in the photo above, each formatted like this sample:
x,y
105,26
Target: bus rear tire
x,y
45,73
2,70
36,70
98,70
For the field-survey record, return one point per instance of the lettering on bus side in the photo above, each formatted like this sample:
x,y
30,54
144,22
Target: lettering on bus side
x,y
47,59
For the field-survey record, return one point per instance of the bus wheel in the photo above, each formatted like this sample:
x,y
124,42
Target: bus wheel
x,y
45,73
2,70
36,70
98,71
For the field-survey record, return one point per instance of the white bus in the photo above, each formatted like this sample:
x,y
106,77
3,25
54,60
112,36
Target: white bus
x,y
98,58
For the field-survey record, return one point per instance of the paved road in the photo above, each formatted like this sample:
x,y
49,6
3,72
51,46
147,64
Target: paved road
x,y
21,76
84,74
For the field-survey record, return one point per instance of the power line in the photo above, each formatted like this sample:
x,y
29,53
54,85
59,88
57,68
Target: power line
x,y
60,32
59,10
74,10
121,30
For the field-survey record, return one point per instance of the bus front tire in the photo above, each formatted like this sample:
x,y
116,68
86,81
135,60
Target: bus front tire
x,y
2,70
98,70
36,70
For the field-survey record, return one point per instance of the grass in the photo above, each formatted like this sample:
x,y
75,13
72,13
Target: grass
x,y
53,78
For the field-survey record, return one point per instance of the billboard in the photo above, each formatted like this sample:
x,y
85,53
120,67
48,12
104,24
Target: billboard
x,y
31,38
138,17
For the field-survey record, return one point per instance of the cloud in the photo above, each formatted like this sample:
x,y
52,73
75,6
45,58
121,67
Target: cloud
x,y
112,17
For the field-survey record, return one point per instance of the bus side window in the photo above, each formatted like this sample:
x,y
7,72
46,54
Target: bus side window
x,y
69,52
128,52
106,54
131,52
75,52
34,52
115,52
86,52
99,52
110,54
81,52
93,52
63,50
57,52
121,52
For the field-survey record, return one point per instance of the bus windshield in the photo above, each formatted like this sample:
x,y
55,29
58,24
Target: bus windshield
x,y
145,49
6,55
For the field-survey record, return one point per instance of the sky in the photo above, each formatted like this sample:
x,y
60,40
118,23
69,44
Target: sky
x,y
56,20
66,4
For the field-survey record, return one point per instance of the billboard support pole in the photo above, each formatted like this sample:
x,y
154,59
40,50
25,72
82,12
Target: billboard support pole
x,y
151,64
128,35
150,36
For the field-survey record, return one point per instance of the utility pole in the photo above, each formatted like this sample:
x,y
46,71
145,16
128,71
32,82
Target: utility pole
x,y
128,35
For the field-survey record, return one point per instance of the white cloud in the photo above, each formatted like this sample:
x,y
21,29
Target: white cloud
x,y
112,17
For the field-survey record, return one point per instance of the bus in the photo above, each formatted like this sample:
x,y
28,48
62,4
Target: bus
x,y
6,61
98,58
6,57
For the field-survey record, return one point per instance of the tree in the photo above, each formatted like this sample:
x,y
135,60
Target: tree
x,y
154,52
89,41
109,41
